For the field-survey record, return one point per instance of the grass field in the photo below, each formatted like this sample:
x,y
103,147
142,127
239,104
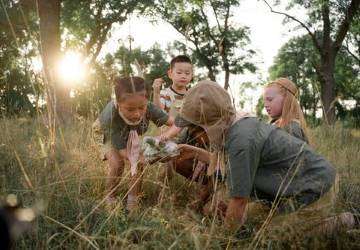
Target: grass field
x,y
70,185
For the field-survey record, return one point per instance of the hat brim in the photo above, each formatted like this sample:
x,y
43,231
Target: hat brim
x,y
216,135
181,122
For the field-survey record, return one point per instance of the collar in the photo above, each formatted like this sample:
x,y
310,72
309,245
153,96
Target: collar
x,y
273,120
173,90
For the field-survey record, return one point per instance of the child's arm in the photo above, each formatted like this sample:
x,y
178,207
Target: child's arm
x,y
195,152
156,94
97,133
170,133
170,122
176,128
123,153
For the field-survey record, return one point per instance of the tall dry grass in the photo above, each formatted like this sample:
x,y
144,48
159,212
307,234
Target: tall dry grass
x,y
70,184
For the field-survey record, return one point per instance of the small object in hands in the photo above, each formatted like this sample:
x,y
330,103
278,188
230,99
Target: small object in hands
x,y
155,150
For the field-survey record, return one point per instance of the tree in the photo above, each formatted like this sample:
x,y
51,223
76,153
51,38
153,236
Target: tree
x,y
296,60
221,44
327,25
58,96
152,62
86,25
19,86
89,23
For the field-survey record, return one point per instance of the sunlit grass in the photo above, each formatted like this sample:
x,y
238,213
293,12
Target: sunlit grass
x,y
71,185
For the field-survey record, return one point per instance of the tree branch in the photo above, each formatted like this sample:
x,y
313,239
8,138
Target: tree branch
x,y
313,37
208,26
101,42
327,27
356,57
216,16
103,26
227,16
345,25
95,33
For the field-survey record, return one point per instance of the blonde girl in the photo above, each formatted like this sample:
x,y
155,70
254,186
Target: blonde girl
x,y
281,104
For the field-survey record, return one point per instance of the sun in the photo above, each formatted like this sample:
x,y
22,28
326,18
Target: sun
x,y
71,68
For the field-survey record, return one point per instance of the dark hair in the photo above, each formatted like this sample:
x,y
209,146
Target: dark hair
x,y
179,59
128,85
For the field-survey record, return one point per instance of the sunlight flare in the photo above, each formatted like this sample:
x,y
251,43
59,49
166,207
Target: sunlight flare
x,y
71,68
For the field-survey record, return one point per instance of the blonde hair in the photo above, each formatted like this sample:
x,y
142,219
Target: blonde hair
x,y
291,110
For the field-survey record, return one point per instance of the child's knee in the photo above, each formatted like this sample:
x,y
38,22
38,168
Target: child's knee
x,y
115,159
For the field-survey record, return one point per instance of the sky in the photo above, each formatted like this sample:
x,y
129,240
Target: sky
x,y
268,34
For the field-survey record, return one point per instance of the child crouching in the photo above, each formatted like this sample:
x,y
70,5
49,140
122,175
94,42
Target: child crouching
x,y
117,131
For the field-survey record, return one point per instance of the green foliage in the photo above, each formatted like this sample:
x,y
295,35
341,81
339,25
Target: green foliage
x,y
217,43
245,96
327,23
85,27
150,63
296,60
87,23
314,13
352,40
347,76
20,88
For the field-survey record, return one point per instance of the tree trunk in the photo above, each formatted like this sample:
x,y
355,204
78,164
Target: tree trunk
x,y
328,94
315,103
58,95
227,77
211,74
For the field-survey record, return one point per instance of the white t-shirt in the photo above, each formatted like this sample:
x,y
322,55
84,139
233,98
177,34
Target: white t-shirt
x,y
171,100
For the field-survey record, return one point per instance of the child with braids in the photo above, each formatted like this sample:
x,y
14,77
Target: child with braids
x,y
117,130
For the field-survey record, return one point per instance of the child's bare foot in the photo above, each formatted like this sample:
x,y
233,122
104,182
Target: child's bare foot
x,y
111,200
132,203
111,203
218,207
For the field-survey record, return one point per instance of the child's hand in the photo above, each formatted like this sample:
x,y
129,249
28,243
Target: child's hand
x,y
235,213
162,138
157,84
186,148
191,151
